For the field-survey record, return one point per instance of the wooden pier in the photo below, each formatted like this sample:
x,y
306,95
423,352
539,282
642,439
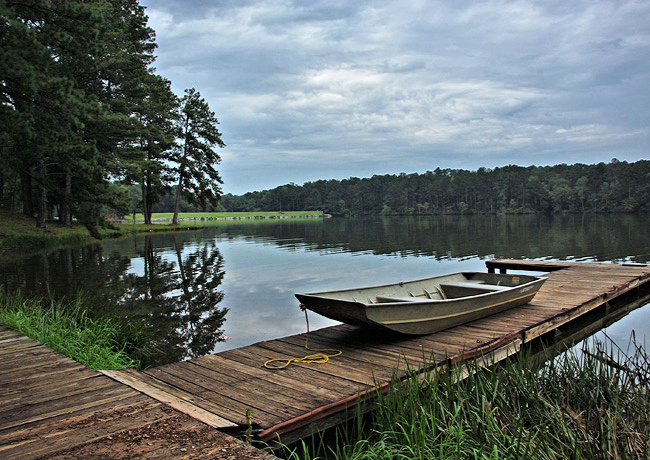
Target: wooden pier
x,y
234,388
234,392
52,407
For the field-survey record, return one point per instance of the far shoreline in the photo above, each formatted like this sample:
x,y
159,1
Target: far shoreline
x,y
19,232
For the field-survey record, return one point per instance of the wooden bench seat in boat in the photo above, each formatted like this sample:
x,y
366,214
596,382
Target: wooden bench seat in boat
x,y
475,285
395,298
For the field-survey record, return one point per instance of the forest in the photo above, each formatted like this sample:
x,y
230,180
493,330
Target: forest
x,y
617,186
87,126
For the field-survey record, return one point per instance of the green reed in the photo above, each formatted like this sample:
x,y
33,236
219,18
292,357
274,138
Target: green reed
x,y
69,327
585,404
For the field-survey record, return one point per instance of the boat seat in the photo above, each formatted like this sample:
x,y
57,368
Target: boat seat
x,y
395,298
476,285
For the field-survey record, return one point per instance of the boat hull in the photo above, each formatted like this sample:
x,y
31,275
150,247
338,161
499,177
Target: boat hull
x,y
425,306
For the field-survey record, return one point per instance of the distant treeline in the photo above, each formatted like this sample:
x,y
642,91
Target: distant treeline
x,y
617,186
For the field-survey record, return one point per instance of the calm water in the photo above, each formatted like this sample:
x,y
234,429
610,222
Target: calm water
x,y
233,285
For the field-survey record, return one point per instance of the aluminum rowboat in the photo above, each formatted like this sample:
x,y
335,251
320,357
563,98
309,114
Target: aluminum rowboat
x,y
428,305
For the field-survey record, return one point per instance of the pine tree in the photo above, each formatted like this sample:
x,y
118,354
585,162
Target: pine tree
x,y
195,156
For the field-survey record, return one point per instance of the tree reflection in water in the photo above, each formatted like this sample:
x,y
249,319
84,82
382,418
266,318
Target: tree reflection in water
x,y
170,288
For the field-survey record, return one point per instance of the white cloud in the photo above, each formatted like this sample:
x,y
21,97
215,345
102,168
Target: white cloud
x,y
308,90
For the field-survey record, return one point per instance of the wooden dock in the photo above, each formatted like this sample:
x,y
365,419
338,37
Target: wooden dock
x,y
50,405
233,387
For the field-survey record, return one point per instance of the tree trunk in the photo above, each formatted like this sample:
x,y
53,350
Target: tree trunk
x,y
66,212
177,206
26,191
145,202
181,166
42,195
12,193
149,209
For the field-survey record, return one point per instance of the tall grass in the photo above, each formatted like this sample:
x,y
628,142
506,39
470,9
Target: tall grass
x,y
69,328
587,404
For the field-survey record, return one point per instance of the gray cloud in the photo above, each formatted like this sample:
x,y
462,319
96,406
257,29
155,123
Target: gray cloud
x,y
309,90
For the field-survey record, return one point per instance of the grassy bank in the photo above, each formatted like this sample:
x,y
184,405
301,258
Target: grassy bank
x,y
185,216
589,405
19,232
71,329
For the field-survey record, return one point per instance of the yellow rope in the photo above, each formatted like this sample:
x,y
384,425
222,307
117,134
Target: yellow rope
x,y
321,357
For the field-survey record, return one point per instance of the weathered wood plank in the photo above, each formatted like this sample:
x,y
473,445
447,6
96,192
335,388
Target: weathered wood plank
x,y
389,346
28,414
36,381
229,408
299,387
353,369
11,346
127,378
264,354
237,403
74,431
261,405
296,373
29,430
50,404
23,362
365,351
44,394
281,394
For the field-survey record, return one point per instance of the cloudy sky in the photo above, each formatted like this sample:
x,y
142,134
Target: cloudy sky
x,y
309,90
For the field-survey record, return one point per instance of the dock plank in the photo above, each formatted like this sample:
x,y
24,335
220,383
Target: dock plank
x,y
238,401
340,386
305,387
227,407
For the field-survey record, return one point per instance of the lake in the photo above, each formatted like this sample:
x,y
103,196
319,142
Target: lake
x,y
232,285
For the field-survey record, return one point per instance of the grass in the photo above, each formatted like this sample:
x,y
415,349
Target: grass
x,y
189,218
20,231
592,404
236,215
69,328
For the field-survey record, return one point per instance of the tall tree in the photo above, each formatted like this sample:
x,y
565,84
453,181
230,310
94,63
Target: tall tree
x,y
195,155
151,136
36,96
69,76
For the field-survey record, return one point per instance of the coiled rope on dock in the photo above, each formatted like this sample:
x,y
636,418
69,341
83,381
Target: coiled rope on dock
x,y
320,356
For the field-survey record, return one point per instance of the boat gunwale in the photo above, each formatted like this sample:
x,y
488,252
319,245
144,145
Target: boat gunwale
x,y
452,315
420,300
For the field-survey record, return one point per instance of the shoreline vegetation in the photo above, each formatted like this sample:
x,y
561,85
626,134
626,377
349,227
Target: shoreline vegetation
x,y
75,329
18,231
589,403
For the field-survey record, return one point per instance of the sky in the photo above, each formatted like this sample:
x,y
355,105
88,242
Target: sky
x,y
308,90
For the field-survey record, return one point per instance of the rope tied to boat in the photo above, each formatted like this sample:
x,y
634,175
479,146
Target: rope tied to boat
x,y
321,356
